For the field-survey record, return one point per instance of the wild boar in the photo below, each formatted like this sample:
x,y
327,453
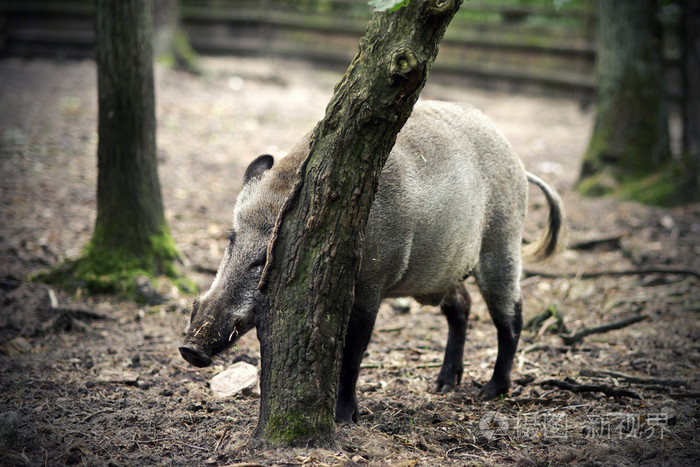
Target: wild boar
x,y
450,203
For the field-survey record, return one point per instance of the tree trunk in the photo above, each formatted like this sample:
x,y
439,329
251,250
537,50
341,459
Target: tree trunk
x,y
690,37
630,137
130,230
314,254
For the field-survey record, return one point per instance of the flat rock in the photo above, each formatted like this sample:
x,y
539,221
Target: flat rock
x,y
110,375
241,377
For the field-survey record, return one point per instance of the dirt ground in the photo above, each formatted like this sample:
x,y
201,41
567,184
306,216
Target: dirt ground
x,y
98,381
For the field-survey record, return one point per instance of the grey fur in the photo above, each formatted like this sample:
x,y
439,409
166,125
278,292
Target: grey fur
x,y
451,202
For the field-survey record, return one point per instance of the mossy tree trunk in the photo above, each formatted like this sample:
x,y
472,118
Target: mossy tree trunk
x,y
131,234
690,36
314,255
170,42
630,136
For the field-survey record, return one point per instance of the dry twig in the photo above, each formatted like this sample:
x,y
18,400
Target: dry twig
x,y
536,324
529,348
580,388
684,395
613,273
72,316
646,380
589,244
570,339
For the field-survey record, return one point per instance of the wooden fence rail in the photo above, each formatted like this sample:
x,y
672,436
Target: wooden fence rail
x,y
489,44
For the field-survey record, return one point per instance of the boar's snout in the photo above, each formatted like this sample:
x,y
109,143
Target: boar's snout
x,y
194,356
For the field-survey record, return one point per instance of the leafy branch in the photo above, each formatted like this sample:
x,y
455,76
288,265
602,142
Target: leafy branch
x,y
388,5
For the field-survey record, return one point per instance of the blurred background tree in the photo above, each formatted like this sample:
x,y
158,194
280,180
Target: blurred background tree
x,y
131,237
530,46
630,137
690,107
171,44
629,153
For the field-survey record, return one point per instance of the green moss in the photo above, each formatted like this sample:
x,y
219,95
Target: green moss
x,y
657,189
113,270
664,187
598,184
181,55
167,60
186,55
293,428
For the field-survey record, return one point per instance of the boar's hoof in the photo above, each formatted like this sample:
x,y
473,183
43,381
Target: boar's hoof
x,y
493,389
194,356
449,378
346,413
444,388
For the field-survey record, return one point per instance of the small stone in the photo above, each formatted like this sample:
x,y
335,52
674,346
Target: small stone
x,y
667,222
670,415
141,384
401,306
110,375
241,377
16,346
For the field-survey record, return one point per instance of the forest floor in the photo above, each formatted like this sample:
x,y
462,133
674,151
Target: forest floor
x,y
99,381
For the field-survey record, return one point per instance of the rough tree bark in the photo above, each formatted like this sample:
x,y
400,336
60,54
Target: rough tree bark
x,y
630,137
131,233
313,256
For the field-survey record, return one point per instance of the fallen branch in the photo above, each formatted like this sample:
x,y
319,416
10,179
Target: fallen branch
x,y
581,388
570,339
85,419
78,312
645,380
10,283
589,244
70,316
683,395
623,272
82,313
537,323
529,348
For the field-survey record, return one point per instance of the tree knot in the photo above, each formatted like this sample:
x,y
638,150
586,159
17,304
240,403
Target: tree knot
x,y
403,65
440,7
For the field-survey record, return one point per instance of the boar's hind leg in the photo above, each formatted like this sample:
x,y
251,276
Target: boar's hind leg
x,y
356,340
455,307
498,279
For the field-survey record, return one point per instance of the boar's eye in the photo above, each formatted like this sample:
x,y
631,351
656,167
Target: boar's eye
x,y
259,263
231,237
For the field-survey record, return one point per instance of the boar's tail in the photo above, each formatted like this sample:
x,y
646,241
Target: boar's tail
x,y
554,236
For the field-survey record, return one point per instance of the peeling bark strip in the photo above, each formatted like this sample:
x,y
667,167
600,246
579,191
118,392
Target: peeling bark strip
x,y
307,286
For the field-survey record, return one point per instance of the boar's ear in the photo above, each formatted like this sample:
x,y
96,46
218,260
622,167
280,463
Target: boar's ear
x,y
259,166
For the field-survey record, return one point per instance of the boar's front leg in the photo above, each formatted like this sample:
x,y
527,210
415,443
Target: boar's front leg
x,y
455,307
356,340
